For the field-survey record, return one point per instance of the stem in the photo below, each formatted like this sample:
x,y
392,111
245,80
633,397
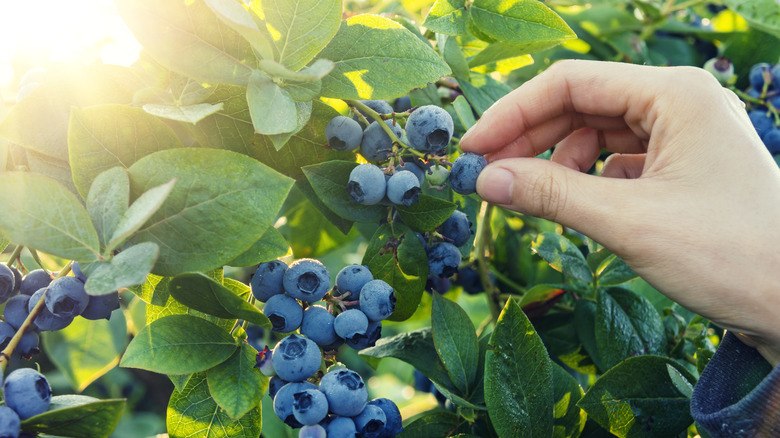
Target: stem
x,y
378,117
14,255
5,355
37,259
483,243
747,98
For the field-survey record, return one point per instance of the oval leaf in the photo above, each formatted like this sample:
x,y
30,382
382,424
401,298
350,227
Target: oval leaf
x,y
77,416
448,17
568,418
137,214
128,268
562,255
303,27
455,339
271,246
236,385
426,214
187,113
518,21
271,107
107,201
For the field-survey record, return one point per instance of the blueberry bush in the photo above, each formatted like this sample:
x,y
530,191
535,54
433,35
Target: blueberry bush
x,y
265,227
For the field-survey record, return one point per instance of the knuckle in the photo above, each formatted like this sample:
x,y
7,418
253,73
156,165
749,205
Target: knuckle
x,y
548,195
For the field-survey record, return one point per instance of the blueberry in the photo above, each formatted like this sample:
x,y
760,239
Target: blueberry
x,y
376,144
429,128
9,422
421,382
34,280
470,281
267,280
380,106
28,345
371,421
437,284
422,240
762,121
343,133
755,94
6,333
264,361
351,279
334,346
775,100
312,431
437,174
77,272
393,418
403,103
721,68
66,297
350,323
347,394
317,325
27,392
444,259
310,406
757,74
307,280
274,385
772,141
465,171
457,228
101,306
414,168
284,399
403,188
296,358
366,184
17,280
377,300
341,427
776,77
47,321
16,311
285,313
373,333
7,283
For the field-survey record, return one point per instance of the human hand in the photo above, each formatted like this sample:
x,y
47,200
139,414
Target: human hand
x,y
689,198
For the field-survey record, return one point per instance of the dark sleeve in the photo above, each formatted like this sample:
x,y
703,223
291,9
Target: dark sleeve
x,y
738,394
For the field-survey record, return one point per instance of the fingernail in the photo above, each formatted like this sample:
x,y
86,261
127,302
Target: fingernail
x,y
495,185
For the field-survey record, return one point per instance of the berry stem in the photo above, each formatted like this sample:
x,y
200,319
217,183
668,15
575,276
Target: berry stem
x,y
746,97
484,244
14,255
5,355
378,117
37,259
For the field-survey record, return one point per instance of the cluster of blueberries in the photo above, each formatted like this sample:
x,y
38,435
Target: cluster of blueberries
x,y
444,257
65,299
765,86
339,407
26,393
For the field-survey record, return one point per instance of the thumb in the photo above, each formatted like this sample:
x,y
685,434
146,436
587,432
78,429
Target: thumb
x,y
551,191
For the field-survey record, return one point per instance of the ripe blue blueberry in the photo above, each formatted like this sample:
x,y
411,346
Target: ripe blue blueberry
x,y
393,418
15,311
334,346
403,103
762,121
377,300
343,133
101,306
307,280
457,228
444,259
367,184
66,297
47,321
33,281
412,167
77,272
310,406
17,280
6,283
757,75
312,431
296,358
284,399
775,73
285,313
403,188
373,333
347,394
371,421
469,280
380,106
772,140
421,382
437,284
376,144
341,427
465,171
28,345
422,240
267,280
429,128
437,174
254,336
317,325
264,362
351,279
9,422
274,385
350,323
6,333
27,392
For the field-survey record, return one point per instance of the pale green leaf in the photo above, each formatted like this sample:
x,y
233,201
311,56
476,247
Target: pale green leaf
x,y
138,213
128,268
448,17
107,201
233,13
272,109
187,113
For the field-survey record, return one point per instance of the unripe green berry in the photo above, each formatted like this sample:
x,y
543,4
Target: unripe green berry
x,y
437,174
721,68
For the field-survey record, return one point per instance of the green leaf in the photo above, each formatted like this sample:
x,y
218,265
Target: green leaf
x,y
329,181
40,121
500,51
310,231
86,350
236,385
614,271
107,201
761,14
178,344
182,113
311,74
568,418
449,48
40,213
214,51
519,21
562,255
455,339
193,412
303,112
154,290
518,378
426,214
218,193
180,380
105,136
448,17
338,222
377,58
433,424
464,112
128,268
271,107
405,267
637,398
585,325
301,28
173,307
270,247
626,325
77,416
233,14
138,213
482,91
198,291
